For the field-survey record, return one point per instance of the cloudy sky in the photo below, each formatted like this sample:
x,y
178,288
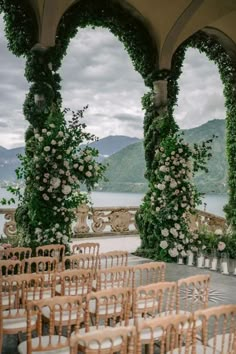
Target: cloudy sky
x,y
97,71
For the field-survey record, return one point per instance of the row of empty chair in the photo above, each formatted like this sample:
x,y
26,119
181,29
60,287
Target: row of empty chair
x,y
149,309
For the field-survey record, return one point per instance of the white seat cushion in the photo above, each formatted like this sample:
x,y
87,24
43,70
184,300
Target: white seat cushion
x,y
103,309
17,322
22,347
106,344
162,314
227,344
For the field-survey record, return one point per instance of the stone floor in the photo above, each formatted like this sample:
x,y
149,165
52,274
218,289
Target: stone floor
x,y
222,290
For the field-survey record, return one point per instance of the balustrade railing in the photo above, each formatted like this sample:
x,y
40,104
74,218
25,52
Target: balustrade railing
x,y
111,221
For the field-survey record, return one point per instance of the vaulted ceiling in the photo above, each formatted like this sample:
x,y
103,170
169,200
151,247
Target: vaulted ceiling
x,y
169,22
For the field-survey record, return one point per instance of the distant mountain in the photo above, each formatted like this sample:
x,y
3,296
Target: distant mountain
x,y
125,156
126,167
106,147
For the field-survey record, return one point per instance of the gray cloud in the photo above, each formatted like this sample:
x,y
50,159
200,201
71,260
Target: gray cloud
x,y
97,71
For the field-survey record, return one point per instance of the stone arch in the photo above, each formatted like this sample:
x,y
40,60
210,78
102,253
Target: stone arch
x,y
125,23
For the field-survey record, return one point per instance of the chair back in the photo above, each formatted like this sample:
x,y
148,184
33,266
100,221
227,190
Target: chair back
x,y
18,252
116,277
86,248
152,300
108,307
147,273
193,293
42,264
113,259
54,250
80,261
59,332
172,333
218,329
75,282
120,339
10,267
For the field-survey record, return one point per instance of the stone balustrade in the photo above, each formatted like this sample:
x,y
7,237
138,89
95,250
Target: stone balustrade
x,y
101,221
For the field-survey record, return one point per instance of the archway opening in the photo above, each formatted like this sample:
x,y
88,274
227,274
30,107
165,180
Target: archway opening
x,y
200,112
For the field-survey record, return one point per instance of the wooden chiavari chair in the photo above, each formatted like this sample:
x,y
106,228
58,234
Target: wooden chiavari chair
x,y
10,267
169,332
113,259
19,253
193,293
74,282
63,314
218,330
86,248
110,307
17,290
112,340
54,250
147,273
80,261
115,277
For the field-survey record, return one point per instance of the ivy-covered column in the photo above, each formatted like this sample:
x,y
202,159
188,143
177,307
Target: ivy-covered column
x,y
43,98
163,218
158,124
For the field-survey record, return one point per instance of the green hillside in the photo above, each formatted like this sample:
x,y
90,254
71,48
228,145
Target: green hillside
x,y
127,167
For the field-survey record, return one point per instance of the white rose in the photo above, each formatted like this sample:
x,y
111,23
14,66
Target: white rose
x,y
165,232
174,232
44,130
45,196
87,158
37,136
52,125
53,142
173,184
66,189
47,148
40,139
173,252
163,245
90,167
81,168
161,186
177,226
162,168
49,133
75,165
88,174
158,209
60,143
60,133
59,157
55,182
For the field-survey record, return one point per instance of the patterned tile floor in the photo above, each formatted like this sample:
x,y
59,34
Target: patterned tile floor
x,y
222,290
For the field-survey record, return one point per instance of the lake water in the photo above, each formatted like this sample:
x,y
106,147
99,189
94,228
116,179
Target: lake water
x,y
214,203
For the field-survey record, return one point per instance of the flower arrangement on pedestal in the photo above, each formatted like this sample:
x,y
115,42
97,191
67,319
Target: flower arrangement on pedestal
x,y
163,218
53,170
